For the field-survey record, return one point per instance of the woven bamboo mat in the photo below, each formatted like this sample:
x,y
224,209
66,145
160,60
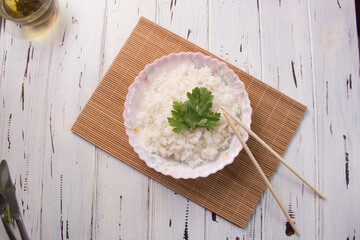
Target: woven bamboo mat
x,y
233,192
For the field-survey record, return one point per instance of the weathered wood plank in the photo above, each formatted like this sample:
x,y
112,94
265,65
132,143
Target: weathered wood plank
x,y
122,193
287,66
69,189
23,83
69,161
172,215
337,95
188,19
235,37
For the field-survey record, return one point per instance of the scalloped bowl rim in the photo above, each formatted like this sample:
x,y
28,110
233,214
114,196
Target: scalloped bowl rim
x,y
173,168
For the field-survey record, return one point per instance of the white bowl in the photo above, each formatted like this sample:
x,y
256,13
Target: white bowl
x,y
168,166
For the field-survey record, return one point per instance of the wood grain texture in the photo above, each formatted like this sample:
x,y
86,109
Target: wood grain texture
x,y
69,163
121,208
177,217
23,97
286,66
68,189
336,82
235,43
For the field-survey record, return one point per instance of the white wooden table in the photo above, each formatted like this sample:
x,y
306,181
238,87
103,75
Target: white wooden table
x,y
69,189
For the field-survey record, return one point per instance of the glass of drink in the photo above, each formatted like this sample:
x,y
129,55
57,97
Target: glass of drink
x,y
34,13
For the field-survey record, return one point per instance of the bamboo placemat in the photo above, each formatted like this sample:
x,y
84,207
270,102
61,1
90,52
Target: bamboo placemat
x,y
233,192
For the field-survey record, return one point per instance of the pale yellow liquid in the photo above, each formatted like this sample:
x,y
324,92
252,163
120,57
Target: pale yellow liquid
x,y
21,8
36,17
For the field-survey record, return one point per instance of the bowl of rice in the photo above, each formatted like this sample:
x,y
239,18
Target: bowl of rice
x,y
192,153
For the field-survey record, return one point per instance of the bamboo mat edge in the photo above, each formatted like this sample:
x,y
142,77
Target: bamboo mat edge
x,y
75,128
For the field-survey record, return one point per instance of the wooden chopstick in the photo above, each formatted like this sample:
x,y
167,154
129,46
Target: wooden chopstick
x,y
262,174
273,152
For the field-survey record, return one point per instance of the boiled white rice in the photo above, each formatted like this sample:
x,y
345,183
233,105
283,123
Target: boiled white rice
x,y
172,84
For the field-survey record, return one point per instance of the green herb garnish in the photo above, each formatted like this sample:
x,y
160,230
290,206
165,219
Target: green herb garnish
x,y
7,213
195,112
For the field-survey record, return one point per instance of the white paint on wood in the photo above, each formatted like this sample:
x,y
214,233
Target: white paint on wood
x,y
69,161
173,216
121,209
23,98
287,66
235,37
234,34
336,78
188,19
69,189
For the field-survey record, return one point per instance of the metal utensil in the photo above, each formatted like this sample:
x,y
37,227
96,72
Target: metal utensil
x,y
9,192
5,223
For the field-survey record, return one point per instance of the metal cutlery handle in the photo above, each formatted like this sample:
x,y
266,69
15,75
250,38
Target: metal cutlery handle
x,y
7,229
10,195
22,229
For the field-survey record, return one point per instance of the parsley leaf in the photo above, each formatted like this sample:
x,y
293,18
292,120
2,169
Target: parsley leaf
x,y
195,112
7,213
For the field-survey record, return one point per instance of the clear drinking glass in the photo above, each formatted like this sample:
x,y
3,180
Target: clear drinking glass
x,y
34,13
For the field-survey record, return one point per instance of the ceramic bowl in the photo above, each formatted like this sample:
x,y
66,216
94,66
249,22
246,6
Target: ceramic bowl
x,y
169,166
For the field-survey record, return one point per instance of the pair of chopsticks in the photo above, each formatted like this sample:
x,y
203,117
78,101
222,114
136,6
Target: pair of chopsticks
x,y
230,118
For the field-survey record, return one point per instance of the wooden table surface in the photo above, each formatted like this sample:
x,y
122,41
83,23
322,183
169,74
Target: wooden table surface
x,y
69,189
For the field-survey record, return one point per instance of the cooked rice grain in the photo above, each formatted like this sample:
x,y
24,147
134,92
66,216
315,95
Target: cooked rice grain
x,y
170,85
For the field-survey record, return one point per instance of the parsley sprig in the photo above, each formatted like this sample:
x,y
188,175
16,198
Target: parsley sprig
x,y
7,213
195,112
